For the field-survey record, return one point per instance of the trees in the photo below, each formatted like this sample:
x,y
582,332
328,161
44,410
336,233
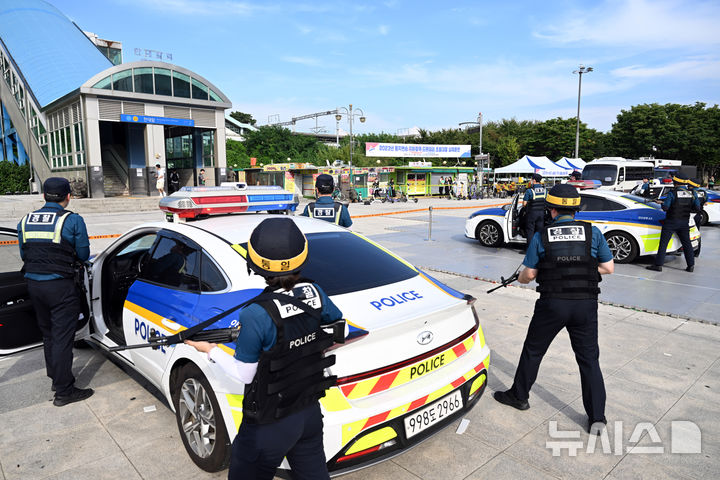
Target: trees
x,y
243,117
13,177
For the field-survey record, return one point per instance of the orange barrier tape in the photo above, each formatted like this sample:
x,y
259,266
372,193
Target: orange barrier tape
x,y
91,237
425,210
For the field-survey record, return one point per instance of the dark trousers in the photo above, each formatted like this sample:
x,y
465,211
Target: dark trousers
x,y
683,232
534,222
580,318
258,450
57,307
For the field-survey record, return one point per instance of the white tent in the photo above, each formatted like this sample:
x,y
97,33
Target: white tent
x,y
542,165
571,163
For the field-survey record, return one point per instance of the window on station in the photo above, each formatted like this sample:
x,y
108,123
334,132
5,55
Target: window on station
x,y
143,80
122,81
104,84
181,84
214,96
163,84
199,90
208,140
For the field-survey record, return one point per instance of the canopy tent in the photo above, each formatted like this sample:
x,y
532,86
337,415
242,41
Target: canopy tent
x,y
542,165
571,163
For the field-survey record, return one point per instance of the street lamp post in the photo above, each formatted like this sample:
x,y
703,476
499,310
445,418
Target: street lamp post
x,y
481,163
582,69
350,116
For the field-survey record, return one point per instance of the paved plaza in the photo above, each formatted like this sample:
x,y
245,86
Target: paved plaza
x,y
662,375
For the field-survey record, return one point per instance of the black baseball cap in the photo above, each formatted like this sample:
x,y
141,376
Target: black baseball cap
x,y
537,177
324,182
56,186
277,247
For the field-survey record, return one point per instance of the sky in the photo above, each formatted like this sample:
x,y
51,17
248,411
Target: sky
x,y
427,64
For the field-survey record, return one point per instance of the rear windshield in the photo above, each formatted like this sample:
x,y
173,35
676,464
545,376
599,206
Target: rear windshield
x,y
643,200
341,262
606,174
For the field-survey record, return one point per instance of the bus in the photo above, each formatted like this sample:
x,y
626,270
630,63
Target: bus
x,y
617,173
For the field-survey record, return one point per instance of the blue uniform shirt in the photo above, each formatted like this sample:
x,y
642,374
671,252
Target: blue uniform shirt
x,y
327,200
258,332
74,232
599,248
670,198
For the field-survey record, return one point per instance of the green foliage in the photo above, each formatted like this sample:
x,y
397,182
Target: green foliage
x,y
270,144
508,151
236,153
13,177
243,117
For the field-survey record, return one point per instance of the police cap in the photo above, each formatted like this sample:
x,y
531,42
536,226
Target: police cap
x,y
324,183
563,196
537,177
276,247
694,182
680,178
56,186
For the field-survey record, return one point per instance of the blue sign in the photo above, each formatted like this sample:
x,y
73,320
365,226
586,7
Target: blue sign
x,y
180,122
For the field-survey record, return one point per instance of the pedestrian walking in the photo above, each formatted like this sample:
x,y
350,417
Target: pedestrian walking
x,y
566,258
678,205
279,357
201,177
53,244
160,179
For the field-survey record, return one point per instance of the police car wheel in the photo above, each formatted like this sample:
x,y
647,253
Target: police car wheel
x,y
488,234
623,247
199,420
704,219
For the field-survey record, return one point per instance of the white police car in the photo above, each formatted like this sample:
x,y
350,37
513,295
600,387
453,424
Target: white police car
x,y
418,360
630,224
711,209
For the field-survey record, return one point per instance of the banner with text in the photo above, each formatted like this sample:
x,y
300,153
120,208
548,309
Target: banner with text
x,y
373,149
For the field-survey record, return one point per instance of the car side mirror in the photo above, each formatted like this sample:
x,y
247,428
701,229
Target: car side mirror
x,y
506,207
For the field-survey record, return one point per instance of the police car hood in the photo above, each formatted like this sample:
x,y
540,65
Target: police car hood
x,y
394,316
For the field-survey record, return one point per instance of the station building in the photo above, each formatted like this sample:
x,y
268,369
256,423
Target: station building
x,y
71,112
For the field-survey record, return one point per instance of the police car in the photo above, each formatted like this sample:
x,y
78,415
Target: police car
x,y
414,360
630,224
711,209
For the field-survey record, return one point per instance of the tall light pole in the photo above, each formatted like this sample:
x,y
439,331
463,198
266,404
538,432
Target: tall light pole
x,y
582,69
350,116
481,160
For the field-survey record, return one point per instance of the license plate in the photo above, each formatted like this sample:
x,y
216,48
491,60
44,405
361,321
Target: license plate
x,y
433,413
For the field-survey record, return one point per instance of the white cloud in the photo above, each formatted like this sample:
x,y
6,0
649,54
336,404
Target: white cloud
x,y
307,61
639,23
696,69
383,29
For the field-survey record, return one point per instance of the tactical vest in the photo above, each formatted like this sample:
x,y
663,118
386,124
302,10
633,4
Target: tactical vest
x,y
682,205
291,374
536,205
329,213
702,196
568,270
44,249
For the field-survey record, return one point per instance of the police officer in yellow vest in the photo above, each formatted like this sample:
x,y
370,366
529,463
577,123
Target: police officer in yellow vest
x,y
53,244
567,258
325,208
534,203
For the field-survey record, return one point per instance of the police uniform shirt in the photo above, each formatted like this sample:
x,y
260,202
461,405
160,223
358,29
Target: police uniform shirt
x,y
327,201
258,332
670,198
599,248
74,232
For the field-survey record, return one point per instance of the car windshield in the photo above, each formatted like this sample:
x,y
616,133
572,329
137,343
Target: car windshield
x,y
342,262
606,174
643,200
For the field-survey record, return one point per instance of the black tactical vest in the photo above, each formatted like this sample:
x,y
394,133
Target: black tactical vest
x,y
536,205
44,249
568,270
329,213
682,205
291,374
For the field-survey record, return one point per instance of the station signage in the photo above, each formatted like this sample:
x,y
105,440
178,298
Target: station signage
x,y
373,149
177,122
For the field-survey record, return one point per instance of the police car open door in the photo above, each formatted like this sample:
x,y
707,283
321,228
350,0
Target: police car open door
x,y
512,219
18,325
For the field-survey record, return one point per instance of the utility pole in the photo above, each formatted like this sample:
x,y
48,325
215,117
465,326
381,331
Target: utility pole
x,y
582,69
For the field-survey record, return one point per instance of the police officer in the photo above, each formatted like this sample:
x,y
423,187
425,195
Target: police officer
x,y
534,203
678,205
279,357
53,244
325,208
566,258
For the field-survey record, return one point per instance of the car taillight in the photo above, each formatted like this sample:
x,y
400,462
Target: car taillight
x,y
716,200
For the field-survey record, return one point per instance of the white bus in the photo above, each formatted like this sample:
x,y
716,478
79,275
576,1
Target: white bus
x,y
617,173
